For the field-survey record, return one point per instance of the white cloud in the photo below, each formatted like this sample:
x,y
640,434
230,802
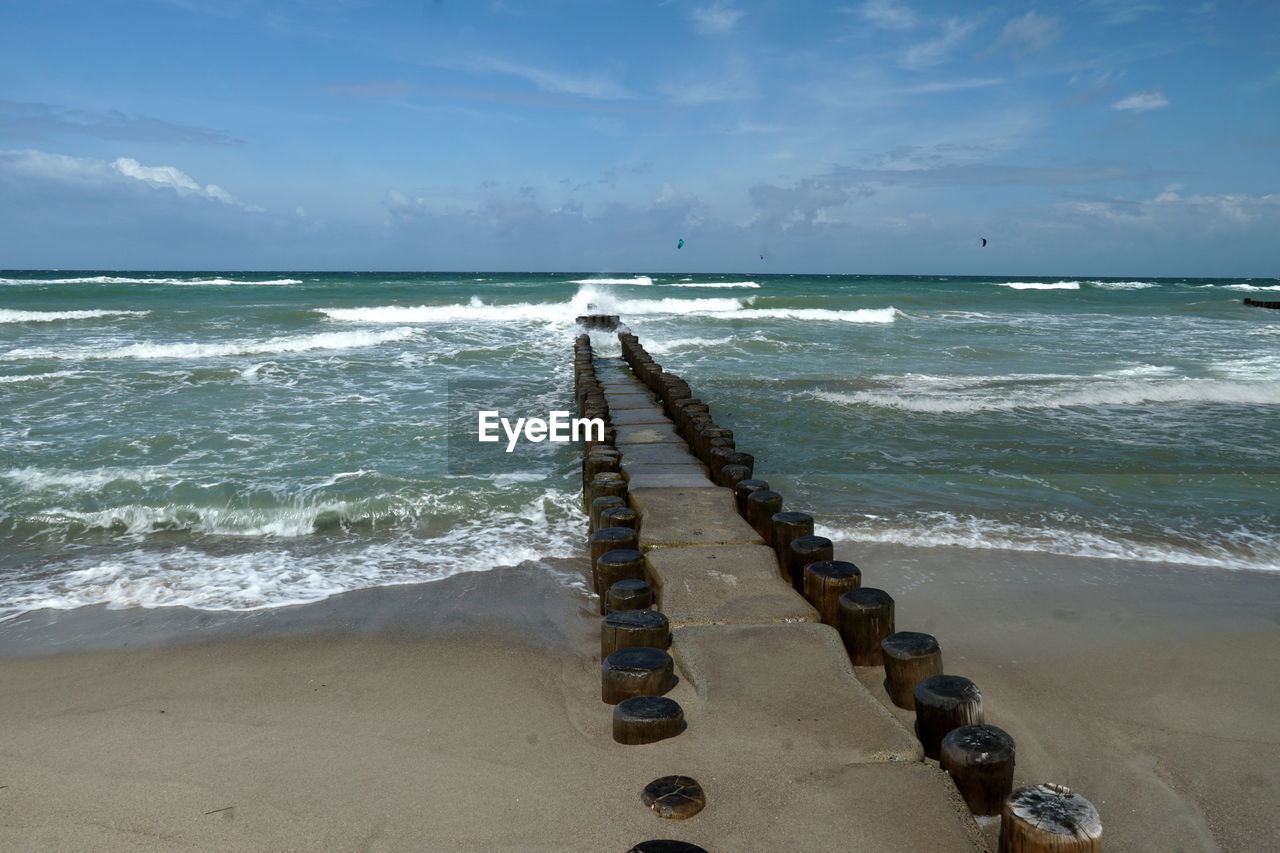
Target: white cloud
x,y
1152,99
720,17
90,172
935,51
888,15
1171,205
1030,33
585,86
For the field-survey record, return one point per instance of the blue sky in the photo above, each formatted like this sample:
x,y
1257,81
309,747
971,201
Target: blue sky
x,y
1102,137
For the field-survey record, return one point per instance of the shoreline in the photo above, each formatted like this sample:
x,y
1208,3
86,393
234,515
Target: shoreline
x,y
1134,682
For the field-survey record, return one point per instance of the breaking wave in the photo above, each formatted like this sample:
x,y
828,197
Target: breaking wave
x,y
286,344
15,316
1039,285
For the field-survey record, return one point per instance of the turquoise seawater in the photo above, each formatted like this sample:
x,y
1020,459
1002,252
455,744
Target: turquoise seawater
x,y
241,440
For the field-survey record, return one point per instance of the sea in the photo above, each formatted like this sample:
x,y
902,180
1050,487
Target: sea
x,y
240,440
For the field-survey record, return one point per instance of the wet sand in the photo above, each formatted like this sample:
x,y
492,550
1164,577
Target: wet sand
x,y
464,715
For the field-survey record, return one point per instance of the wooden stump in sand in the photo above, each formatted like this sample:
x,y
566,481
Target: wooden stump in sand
x,y
824,582
1049,818
866,618
666,845
980,759
762,506
944,703
909,658
647,719
805,550
617,565
624,629
630,594
640,671
674,797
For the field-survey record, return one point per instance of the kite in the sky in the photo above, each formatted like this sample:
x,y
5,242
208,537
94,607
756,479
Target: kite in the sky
x,y
984,240
680,243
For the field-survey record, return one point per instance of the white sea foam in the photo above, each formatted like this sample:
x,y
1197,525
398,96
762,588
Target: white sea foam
x,y
116,279
32,377
1039,285
656,345
931,529
856,315
1124,285
286,344
547,527
642,280
68,481
742,284
1117,393
1251,287
15,316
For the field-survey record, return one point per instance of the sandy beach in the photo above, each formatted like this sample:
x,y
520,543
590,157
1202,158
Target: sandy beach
x,y
464,715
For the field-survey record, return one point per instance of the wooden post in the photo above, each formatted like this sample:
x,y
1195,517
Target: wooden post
x,y
666,845
603,484
617,565
598,506
943,703
637,671
866,618
980,761
619,516
608,539
732,475
743,490
1049,818
824,582
674,797
596,463
909,657
625,629
788,526
629,594
762,506
806,550
647,719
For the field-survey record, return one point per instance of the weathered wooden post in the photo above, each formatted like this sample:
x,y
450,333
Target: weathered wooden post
x,y
732,475
608,539
1049,818
762,506
637,671
824,582
598,506
616,565
619,516
909,658
743,490
629,594
787,527
625,629
806,550
866,618
647,719
604,484
980,759
943,703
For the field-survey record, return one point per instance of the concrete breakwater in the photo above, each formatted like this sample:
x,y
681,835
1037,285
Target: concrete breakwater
x,y
703,574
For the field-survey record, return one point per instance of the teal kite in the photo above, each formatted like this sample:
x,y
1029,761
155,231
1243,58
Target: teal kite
x,y
680,243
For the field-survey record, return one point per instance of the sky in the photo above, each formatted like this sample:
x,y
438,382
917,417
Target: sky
x,y
1087,137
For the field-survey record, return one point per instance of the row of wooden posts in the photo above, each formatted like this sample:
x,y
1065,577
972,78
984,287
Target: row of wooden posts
x,y
637,669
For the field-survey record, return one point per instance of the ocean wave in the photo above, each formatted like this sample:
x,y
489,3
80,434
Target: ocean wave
x,y
287,344
298,572
1251,287
1102,394
656,345
1039,285
61,480
932,529
33,377
8,315
642,280
743,284
115,279
1124,285
855,315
